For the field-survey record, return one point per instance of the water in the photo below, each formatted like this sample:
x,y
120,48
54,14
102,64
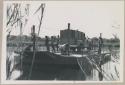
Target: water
x,y
110,69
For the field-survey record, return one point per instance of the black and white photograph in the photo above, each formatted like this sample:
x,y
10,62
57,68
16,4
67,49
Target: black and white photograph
x,y
63,41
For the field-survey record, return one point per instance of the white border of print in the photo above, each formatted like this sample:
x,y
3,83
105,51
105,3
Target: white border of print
x,y
3,66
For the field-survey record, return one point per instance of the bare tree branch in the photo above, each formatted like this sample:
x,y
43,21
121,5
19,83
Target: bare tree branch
x,y
12,15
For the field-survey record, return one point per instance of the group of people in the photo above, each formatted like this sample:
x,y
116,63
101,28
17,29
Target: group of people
x,y
52,44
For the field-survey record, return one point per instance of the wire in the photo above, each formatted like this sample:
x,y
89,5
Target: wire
x,y
99,69
30,72
31,68
81,67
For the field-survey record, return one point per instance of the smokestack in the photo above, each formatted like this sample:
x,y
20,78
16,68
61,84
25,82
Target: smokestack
x,y
68,26
100,35
33,29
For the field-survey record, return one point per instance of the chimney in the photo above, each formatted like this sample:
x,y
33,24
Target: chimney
x,y
33,29
68,26
100,35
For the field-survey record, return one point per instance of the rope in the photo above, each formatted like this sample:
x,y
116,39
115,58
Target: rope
x,y
42,10
81,67
99,69
30,72
21,52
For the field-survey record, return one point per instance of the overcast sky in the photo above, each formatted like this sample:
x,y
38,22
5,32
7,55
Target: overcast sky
x,y
91,17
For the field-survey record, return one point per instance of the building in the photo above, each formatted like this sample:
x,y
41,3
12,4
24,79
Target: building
x,y
71,36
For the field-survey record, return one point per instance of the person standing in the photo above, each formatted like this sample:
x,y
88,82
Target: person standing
x,y
47,43
57,44
100,44
52,44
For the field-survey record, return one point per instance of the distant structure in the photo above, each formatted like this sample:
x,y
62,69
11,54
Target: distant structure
x,y
71,36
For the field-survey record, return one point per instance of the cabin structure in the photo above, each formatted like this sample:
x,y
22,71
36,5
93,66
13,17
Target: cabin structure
x,y
71,36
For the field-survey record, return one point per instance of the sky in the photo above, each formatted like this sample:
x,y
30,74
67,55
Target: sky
x,y
90,17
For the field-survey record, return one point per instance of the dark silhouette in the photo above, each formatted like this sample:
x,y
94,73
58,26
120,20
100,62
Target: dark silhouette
x,y
33,37
57,43
100,74
47,43
52,44
99,52
100,44
67,48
